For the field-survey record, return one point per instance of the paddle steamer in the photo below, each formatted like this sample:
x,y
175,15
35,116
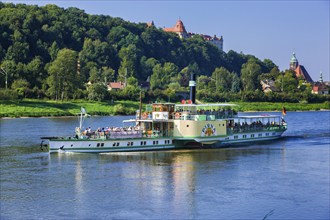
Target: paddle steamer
x,y
173,126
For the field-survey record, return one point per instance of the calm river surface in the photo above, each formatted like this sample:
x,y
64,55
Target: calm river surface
x,y
283,179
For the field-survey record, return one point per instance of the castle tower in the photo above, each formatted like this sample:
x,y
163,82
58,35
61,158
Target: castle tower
x,y
179,29
293,62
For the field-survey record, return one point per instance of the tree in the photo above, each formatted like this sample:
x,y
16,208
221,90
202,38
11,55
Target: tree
x,y
249,75
223,79
162,75
155,79
146,66
235,86
287,81
103,75
63,79
21,86
97,92
203,82
128,65
35,74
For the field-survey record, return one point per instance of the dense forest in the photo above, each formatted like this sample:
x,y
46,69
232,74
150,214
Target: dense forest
x,y
62,54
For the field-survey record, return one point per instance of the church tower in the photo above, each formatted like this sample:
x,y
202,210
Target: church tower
x,y
293,62
321,77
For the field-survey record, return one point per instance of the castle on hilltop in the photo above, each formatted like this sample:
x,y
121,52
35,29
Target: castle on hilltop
x,y
180,30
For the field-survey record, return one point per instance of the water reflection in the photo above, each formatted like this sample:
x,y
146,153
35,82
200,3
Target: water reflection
x,y
154,178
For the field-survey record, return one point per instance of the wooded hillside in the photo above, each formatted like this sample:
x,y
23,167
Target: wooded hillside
x,y
54,52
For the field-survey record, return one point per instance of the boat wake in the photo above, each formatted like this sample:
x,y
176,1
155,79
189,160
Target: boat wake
x,y
306,136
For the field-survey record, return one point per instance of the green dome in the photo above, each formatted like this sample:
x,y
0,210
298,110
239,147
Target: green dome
x,y
293,58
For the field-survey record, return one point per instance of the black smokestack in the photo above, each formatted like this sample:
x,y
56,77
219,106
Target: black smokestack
x,y
192,84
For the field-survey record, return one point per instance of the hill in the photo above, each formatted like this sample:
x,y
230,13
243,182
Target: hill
x,y
56,53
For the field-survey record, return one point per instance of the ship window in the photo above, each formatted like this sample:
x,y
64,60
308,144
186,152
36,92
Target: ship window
x,y
71,145
141,143
235,137
273,133
252,135
114,144
259,135
131,143
244,136
117,144
98,144
128,143
145,143
267,134
102,144
89,145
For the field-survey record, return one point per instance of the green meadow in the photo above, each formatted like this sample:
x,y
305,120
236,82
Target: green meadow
x,y
39,108
42,108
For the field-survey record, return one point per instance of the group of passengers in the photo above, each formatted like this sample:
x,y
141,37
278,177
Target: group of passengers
x,y
219,113
256,125
100,132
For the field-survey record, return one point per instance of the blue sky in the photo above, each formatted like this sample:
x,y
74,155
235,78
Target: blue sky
x,y
266,29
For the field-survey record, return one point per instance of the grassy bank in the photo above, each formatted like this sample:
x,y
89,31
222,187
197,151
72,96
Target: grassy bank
x,y
39,108
269,106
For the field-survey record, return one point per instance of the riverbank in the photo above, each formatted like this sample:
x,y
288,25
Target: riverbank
x,y
43,108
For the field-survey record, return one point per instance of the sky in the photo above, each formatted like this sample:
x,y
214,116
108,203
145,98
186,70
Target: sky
x,y
265,29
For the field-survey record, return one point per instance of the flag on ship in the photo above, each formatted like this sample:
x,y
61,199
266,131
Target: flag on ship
x,y
83,110
283,111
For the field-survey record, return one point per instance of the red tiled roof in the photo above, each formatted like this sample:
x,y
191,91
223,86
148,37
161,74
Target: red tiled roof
x,y
179,27
301,71
117,85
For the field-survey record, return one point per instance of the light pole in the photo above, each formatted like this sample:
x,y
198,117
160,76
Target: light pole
x,y
4,72
282,81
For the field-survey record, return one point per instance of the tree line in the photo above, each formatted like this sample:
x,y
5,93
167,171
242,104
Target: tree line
x,y
61,54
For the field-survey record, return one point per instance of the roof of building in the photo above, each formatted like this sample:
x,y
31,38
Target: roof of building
x,y
318,86
150,24
268,85
178,27
301,71
117,85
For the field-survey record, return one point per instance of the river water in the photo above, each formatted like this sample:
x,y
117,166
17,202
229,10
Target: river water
x,y
283,179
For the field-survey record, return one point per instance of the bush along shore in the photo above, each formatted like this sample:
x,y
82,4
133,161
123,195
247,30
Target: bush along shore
x,y
40,108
